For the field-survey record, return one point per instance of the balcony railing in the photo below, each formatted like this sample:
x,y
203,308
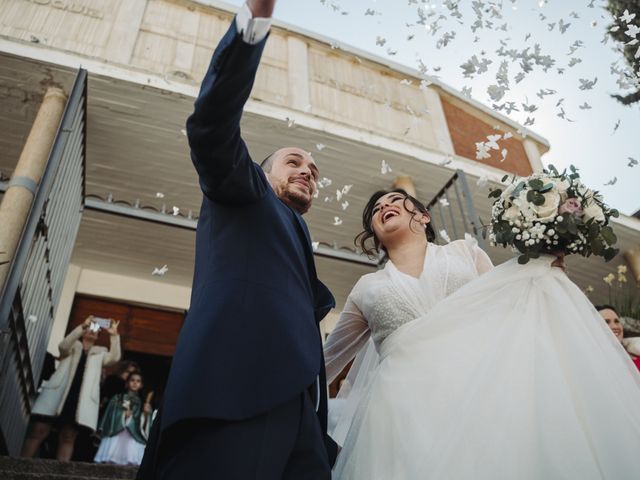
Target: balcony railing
x,y
31,293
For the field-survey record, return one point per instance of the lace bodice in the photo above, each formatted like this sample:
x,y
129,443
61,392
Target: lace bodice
x,y
383,301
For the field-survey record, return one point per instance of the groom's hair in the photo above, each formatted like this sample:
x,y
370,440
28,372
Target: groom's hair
x,y
367,218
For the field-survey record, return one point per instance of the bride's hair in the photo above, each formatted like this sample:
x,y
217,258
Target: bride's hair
x,y
367,216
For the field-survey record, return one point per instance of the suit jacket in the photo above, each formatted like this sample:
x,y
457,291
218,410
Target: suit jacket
x,y
251,339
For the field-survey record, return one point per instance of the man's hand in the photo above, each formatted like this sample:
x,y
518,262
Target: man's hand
x,y
261,8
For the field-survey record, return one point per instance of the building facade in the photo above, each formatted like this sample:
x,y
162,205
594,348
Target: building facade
x,y
365,120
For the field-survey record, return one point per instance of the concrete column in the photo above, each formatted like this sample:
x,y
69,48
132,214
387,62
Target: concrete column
x,y
533,154
18,198
633,258
63,310
125,31
299,96
439,121
406,183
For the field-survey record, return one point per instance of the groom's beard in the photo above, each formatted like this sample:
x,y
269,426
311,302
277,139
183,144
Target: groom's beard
x,y
292,196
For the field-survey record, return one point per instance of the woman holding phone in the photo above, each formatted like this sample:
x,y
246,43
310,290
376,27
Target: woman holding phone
x,y
69,400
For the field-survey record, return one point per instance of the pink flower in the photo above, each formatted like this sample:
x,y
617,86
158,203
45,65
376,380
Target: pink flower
x,y
571,206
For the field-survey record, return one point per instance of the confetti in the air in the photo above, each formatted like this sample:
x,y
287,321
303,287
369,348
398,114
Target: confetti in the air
x,y
586,84
320,146
315,246
160,272
444,202
324,182
385,168
632,162
337,221
613,181
445,236
159,195
176,211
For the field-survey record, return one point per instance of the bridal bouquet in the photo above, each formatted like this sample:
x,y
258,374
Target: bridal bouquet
x,y
551,212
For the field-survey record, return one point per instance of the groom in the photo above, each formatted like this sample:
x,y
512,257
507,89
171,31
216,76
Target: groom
x,y
246,395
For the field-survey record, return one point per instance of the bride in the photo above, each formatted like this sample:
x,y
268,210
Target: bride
x,y
512,375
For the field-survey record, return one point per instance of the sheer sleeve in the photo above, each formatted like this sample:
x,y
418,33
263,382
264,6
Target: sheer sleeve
x,y
347,338
480,258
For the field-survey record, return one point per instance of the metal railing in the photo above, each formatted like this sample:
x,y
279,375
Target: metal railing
x,y
36,276
453,212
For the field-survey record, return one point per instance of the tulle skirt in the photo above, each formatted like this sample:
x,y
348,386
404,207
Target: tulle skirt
x,y
514,376
121,449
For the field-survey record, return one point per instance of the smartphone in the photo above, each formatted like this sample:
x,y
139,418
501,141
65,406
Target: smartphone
x,y
104,323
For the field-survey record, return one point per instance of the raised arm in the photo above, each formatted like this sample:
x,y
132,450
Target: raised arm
x,y
347,338
114,354
74,335
227,173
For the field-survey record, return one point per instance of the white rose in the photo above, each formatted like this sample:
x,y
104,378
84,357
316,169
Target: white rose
x,y
560,185
594,211
548,211
511,213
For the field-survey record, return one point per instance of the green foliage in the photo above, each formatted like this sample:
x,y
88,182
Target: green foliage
x,y
533,231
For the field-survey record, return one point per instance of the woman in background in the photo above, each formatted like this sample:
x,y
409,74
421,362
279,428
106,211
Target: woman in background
x,y
612,319
69,400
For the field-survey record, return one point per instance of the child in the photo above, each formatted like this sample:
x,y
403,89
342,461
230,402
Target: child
x,y
125,426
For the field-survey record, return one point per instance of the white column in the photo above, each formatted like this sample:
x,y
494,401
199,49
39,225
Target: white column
x,y
63,311
533,154
299,96
439,121
125,31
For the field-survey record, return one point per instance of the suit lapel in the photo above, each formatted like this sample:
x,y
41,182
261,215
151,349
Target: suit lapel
x,y
322,297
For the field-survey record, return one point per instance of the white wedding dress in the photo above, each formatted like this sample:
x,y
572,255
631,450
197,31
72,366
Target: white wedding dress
x,y
510,375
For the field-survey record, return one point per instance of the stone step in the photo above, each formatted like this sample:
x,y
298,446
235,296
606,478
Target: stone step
x,y
22,468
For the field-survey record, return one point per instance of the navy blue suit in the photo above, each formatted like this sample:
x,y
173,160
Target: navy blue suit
x,y
250,342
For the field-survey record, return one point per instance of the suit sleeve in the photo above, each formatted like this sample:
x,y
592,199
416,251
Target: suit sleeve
x,y
225,169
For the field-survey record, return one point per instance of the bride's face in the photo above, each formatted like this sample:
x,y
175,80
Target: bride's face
x,y
394,214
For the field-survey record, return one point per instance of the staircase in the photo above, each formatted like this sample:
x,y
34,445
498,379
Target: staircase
x,y
38,469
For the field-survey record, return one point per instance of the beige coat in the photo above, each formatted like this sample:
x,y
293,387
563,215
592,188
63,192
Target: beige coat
x,y
55,390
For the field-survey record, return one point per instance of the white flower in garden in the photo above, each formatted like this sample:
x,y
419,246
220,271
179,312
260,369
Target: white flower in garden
x,y
594,211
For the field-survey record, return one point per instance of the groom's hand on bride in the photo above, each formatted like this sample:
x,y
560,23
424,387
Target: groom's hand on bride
x,y
261,8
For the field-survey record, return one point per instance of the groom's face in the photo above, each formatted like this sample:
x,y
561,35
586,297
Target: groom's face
x,y
293,174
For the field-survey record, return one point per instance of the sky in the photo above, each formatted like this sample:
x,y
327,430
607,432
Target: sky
x,y
597,134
